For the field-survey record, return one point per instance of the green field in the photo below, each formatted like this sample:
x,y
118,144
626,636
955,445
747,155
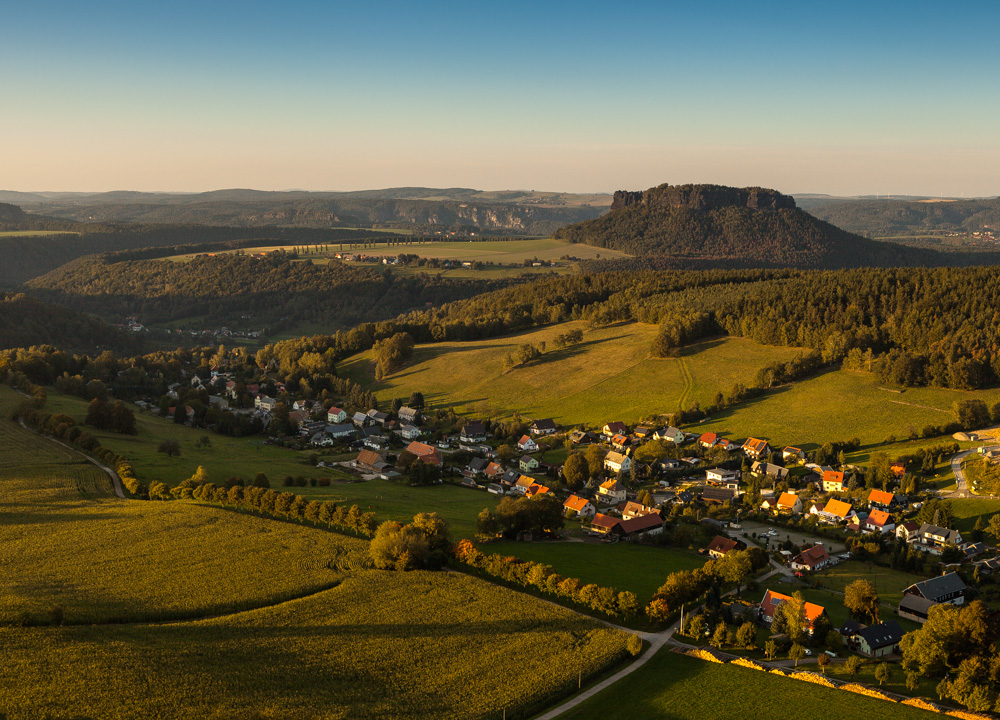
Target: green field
x,y
379,645
839,405
624,566
888,582
967,510
609,376
683,688
35,233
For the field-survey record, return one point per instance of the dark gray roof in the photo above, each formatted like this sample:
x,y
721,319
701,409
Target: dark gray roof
x,y
939,587
718,494
916,605
478,464
881,635
851,628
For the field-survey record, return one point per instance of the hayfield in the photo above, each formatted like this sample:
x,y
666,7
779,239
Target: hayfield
x,y
683,688
838,405
609,376
624,566
380,645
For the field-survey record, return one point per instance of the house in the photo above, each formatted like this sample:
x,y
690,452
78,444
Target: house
x,y
408,432
633,509
933,539
766,469
378,418
408,415
603,524
720,495
722,476
361,420
988,567
321,439
581,437
643,431
543,427
833,481
527,445
376,442
369,461
523,484
708,440
638,527
772,600
344,430
815,558
973,550
336,415
425,453
528,464
473,431
674,435
788,503
265,403
612,491
878,640
664,464
619,442
908,531
581,506
949,588
836,511
509,477
616,462
915,607
756,449
726,445
720,546
493,471
879,521
476,466
495,488
793,454
882,499
615,428
297,417
536,489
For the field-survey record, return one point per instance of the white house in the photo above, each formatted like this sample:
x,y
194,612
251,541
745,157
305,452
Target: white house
x,y
526,444
616,462
336,415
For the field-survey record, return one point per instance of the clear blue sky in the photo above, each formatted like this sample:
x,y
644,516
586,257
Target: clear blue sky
x,y
843,98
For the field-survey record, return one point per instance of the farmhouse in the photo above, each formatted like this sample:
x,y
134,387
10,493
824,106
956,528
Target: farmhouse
x,y
612,491
833,481
915,607
603,524
361,420
720,495
815,558
266,403
772,600
941,589
756,449
581,506
343,430
907,531
720,546
543,427
526,444
616,462
425,453
369,461
378,417
639,526
409,432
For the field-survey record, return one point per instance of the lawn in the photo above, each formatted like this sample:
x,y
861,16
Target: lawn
x,y
967,510
609,376
838,405
683,688
624,566
888,582
413,645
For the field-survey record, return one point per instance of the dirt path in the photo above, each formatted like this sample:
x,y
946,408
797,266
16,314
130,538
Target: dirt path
x,y
922,407
688,382
115,480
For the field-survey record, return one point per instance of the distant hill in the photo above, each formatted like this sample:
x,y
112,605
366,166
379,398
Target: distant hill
x,y
726,226
424,210
908,217
27,321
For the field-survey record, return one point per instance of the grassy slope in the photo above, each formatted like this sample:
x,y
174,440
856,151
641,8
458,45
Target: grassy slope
x,y
380,645
624,566
609,376
682,688
889,583
838,405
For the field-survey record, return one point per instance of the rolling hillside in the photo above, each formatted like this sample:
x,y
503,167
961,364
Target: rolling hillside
x,y
910,217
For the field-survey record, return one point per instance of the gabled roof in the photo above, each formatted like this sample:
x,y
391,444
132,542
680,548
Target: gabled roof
x,y
612,485
493,469
546,424
478,464
880,497
634,508
838,507
421,449
910,526
878,518
604,521
755,445
773,599
525,439
833,476
614,457
523,481
474,428
882,635
536,489
790,449
575,502
616,428
619,440
813,556
527,459
787,500
709,437
939,587
641,523
369,458
718,494
916,604
722,545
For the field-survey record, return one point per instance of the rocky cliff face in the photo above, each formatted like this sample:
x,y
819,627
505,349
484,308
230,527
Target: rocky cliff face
x,y
704,197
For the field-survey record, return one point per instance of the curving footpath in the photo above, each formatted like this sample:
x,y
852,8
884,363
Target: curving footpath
x,y
116,481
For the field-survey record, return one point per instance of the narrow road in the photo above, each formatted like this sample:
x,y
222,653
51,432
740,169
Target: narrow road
x,y
961,486
115,480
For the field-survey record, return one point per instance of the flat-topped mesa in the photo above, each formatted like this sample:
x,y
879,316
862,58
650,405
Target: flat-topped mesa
x,y
704,197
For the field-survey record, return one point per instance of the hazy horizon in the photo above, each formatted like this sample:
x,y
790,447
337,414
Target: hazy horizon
x,y
896,99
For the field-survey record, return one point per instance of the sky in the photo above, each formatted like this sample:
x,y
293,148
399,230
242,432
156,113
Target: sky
x,y
842,98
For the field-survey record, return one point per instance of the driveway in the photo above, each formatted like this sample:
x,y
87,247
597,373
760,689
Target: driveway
x,y
799,538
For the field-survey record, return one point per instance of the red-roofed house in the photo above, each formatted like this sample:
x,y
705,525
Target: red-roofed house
x,y
879,521
833,481
639,526
603,524
815,558
882,499
772,600
526,444
581,506
721,545
756,448
708,440
425,453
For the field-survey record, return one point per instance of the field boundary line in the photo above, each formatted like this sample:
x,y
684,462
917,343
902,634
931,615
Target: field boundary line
x,y
922,407
116,481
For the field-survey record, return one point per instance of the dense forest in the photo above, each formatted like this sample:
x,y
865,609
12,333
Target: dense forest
x,y
721,225
909,217
26,321
240,290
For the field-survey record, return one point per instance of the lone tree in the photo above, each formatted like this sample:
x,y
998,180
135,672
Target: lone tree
x,y
882,673
862,601
170,448
823,660
796,652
